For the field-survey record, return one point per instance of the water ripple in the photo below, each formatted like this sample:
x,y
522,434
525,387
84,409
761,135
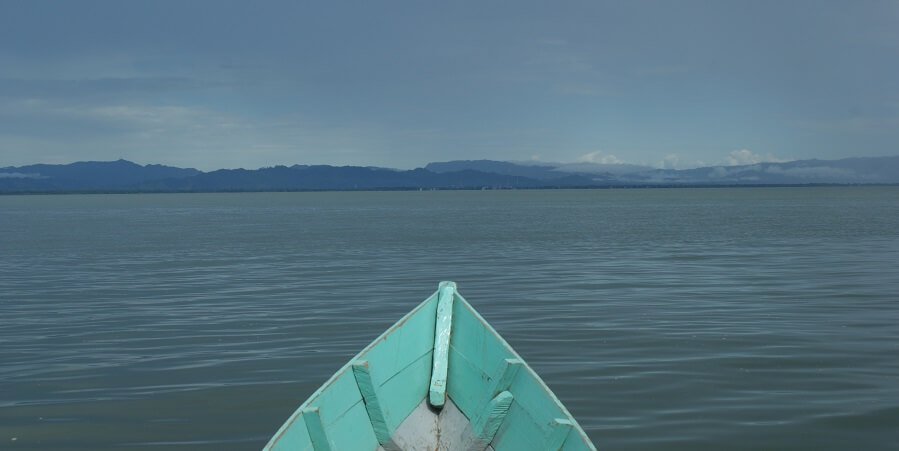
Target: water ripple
x,y
663,319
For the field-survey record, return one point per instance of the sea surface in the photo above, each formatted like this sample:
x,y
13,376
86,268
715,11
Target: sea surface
x,y
664,319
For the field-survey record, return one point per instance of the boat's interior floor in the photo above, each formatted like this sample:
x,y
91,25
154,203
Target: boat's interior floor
x,y
427,429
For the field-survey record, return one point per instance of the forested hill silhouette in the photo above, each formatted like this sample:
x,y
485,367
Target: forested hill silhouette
x,y
125,176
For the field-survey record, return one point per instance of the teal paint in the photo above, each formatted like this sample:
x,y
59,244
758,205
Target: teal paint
x,y
475,356
401,364
355,420
292,438
403,392
478,366
490,419
508,371
466,383
442,332
560,429
403,379
316,429
372,404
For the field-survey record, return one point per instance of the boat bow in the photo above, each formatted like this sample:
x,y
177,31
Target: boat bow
x,y
440,378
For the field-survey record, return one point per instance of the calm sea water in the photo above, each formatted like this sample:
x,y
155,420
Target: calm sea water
x,y
664,319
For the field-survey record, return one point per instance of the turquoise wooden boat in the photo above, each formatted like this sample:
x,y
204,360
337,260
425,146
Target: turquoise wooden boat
x,y
439,379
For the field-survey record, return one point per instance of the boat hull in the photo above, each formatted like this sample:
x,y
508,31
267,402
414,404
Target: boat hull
x,y
385,396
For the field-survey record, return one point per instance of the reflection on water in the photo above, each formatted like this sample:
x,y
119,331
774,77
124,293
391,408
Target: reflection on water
x,y
663,319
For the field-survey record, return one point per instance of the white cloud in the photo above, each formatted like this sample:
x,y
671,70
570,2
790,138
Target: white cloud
x,y
819,172
670,161
598,157
741,157
19,175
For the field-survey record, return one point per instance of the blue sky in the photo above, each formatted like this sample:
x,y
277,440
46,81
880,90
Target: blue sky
x,y
220,84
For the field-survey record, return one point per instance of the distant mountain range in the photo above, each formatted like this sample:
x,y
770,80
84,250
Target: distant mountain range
x,y
125,176
868,170
86,176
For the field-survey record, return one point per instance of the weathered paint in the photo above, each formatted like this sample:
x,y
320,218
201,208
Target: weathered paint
x,y
490,418
446,429
316,429
480,364
442,332
373,405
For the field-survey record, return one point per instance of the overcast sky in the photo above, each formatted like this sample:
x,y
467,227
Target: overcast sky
x,y
219,84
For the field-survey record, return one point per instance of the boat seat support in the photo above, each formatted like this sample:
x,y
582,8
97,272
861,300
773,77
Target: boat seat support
x,y
373,405
316,429
488,421
503,380
561,428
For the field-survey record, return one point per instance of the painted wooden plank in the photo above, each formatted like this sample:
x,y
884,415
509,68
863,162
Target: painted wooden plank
x,y
476,349
403,392
522,429
479,355
442,332
403,345
560,429
403,358
489,349
404,355
508,371
490,419
372,404
519,431
294,436
341,396
579,441
352,430
466,383
535,398
316,429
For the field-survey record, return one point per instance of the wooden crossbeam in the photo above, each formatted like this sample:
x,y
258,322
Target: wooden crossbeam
x,y
561,428
442,332
503,380
316,429
373,405
490,419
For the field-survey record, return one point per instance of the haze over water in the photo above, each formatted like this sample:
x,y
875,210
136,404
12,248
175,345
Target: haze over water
x,y
763,318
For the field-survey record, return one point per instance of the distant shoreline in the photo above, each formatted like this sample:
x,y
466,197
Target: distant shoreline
x,y
123,176
541,188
